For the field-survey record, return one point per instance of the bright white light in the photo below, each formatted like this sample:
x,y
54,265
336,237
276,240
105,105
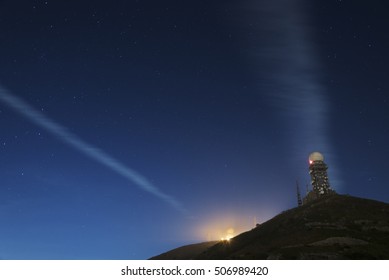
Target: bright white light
x,y
228,235
227,238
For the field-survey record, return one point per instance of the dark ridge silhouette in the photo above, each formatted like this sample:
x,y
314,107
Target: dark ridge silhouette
x,y
187,252
332,227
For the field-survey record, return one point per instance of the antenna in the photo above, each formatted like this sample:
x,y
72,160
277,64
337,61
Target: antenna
x,y
299,201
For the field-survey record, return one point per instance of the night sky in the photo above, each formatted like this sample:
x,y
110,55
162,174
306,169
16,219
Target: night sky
x,y
129,128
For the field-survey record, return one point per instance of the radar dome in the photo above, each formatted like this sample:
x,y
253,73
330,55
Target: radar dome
x,y
315,156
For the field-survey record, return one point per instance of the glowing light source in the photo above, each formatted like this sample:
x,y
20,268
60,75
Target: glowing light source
x,y
229,235
227,238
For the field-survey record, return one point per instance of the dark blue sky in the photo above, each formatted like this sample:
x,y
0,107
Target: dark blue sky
x,y
216,104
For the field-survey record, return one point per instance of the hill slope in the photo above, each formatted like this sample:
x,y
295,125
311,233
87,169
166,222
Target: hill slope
x,y
187,252
334,227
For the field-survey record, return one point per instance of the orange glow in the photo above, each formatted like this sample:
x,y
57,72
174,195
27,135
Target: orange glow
x,y
228,235
224,225
227,238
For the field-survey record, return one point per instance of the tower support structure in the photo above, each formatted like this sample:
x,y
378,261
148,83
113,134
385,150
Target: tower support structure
x,y
319,178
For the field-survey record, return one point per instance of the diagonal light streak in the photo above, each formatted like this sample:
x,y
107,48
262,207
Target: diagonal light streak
x,y
39,119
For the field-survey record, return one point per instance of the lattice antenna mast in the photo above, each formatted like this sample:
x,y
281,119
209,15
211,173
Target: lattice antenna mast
x,y
299,200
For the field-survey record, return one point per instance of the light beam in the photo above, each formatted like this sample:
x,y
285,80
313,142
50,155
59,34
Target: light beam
x,y
292,80
38,118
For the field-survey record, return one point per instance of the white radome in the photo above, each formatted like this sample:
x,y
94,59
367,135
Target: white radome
x,y
315,156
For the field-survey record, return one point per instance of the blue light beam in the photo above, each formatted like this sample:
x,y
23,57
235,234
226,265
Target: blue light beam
x,y
292,80
77,143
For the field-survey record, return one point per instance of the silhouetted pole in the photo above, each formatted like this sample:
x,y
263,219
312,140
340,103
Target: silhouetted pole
x,y
299,201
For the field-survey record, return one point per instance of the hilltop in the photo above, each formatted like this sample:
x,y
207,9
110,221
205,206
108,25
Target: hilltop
x,y
332,227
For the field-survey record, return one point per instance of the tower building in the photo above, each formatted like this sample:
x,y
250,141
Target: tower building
x,y
318,172
319,177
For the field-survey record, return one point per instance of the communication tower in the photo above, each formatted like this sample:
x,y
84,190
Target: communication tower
x,y
319,178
